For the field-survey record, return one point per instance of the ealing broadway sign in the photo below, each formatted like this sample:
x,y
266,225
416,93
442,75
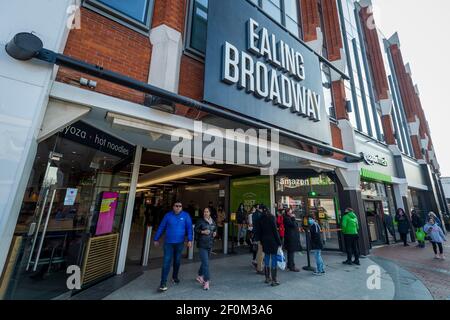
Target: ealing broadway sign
x,y
255,67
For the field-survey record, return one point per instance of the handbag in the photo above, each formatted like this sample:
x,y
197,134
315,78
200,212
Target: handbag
x,y
281,260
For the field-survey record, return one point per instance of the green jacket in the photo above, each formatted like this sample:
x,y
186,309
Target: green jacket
x,y
350,223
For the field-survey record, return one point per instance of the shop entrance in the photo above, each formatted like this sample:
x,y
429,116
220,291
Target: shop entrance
x,y
161,183
376,223
310,193
71,214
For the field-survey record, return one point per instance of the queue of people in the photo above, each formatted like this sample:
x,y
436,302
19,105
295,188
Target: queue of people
x,y
268,234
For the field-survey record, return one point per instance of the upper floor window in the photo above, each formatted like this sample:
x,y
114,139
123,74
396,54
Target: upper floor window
x,y
284,12
198,25
136,14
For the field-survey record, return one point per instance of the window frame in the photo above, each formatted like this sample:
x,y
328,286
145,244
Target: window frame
x,y
122,18
195,53
198,55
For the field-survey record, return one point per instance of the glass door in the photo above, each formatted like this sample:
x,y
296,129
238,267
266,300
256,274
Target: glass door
x,y
69,187
376,222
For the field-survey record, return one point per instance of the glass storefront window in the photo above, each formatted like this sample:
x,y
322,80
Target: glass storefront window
x,y
379,204
315,196
75,193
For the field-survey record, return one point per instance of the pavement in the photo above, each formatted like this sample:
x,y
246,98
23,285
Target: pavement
x,y
233,278
420,263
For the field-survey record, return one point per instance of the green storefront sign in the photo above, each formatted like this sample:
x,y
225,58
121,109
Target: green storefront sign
x,y
249,191
375,176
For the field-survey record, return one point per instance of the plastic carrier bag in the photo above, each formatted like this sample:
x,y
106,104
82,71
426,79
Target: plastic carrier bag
x,y
281,260
420,234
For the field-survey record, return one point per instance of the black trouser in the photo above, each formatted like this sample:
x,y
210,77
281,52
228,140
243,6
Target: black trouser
x,y
404,237
290,259
352,246
435,245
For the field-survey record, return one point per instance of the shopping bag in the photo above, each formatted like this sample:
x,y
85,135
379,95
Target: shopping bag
x,y
281,260
420,235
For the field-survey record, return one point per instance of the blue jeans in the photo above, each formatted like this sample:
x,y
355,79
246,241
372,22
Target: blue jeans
x,y
204,267
267,258
319,260
171,251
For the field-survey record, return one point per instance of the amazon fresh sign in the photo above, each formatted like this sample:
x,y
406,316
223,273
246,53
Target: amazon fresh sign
x,y
258,69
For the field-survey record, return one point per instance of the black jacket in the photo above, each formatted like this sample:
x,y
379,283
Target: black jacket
x,y
255,220
403,223
417,221
316,238
241,216
205,241
267,233
291,235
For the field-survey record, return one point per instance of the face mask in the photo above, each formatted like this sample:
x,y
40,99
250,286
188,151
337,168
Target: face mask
x,y
311,222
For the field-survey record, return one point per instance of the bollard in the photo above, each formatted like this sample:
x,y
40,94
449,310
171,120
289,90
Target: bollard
x,y
191,249
225,238
146,247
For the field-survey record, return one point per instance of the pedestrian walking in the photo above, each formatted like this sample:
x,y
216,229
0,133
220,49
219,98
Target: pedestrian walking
x,y
418,224
402,225
270,240
436,218
176,225
437,236
291,239
205,231
350,229
316,245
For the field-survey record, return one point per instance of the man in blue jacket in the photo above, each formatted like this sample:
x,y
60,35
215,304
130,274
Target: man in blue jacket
x,y
177,224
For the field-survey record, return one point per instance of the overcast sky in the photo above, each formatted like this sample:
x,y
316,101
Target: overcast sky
x,y
424,28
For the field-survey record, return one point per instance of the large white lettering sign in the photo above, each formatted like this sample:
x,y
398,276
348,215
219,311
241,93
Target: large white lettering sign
x,y
256,68
278,80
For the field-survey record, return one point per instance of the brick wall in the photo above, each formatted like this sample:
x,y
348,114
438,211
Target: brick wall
x,y
106,43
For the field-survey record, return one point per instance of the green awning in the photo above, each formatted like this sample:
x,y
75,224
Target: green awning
x,y
375,176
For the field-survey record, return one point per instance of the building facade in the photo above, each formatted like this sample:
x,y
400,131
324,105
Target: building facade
x,y
86,161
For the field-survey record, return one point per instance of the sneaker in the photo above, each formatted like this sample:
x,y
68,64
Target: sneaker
x,y
176,280
442,257
163,288
200,280
322,272
436,257
315,273
206,285
294,269
347,262
356,262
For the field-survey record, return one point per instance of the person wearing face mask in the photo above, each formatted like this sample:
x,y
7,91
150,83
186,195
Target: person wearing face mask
x,y
316,245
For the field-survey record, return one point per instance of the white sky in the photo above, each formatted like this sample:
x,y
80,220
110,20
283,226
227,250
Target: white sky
x,y
424,28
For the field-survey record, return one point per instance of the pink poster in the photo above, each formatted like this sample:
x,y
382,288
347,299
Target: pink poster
x,y
107,211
